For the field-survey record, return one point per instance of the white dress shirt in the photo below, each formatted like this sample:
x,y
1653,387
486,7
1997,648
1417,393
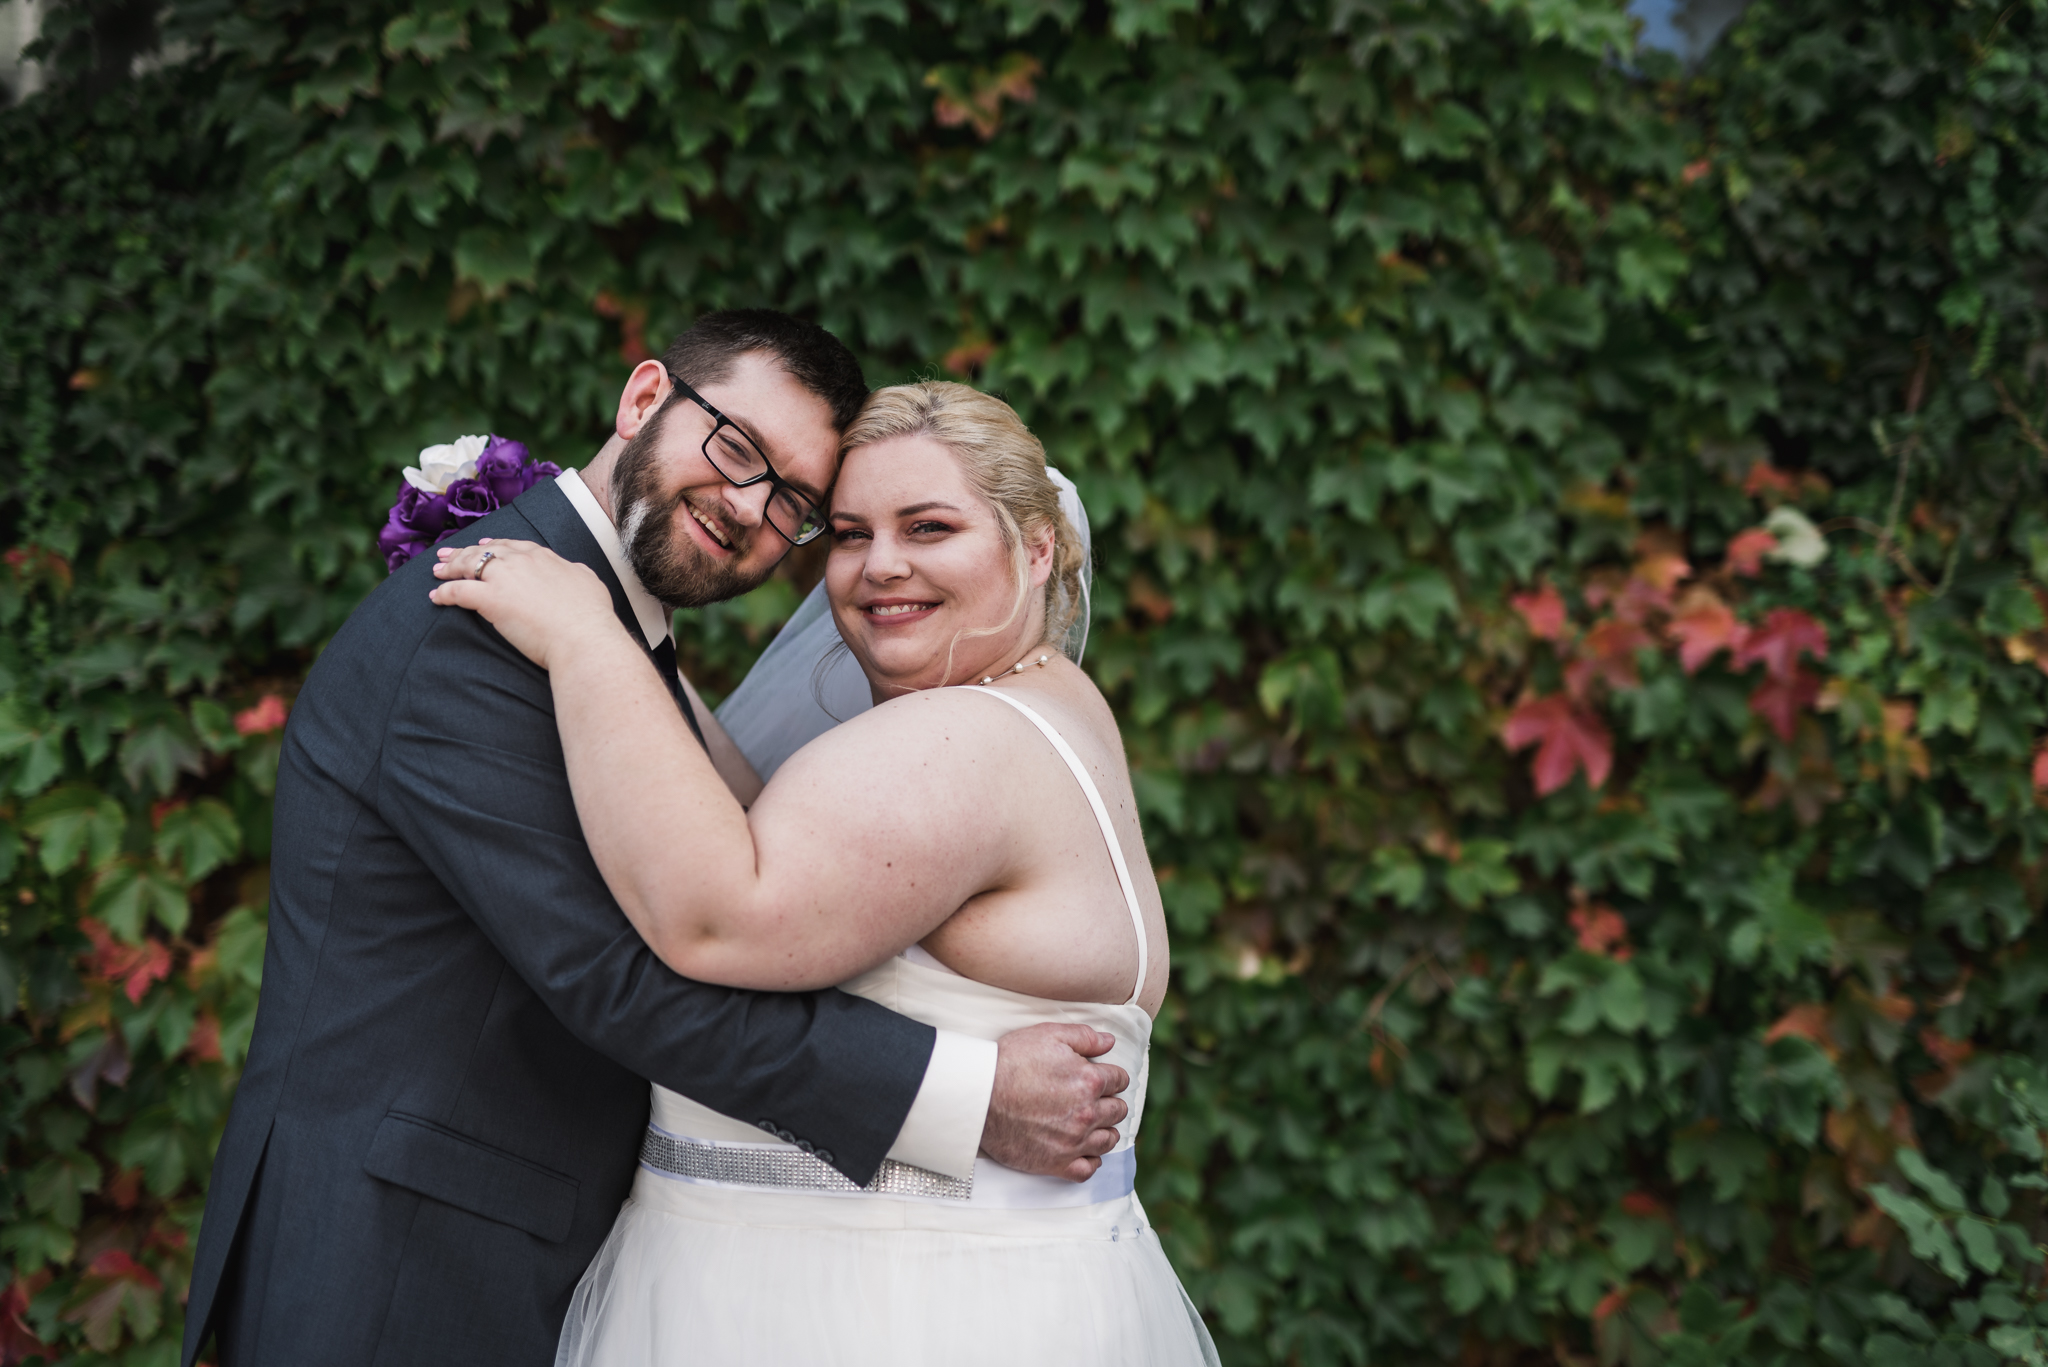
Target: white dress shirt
x,y
943,1130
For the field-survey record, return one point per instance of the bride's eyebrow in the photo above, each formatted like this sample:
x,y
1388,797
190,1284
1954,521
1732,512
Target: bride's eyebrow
x,y
914,509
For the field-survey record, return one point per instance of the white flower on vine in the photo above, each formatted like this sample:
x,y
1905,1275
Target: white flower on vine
x,y
1799,541
441,466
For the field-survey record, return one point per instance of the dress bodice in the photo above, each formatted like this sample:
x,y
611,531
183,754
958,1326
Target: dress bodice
x,y
939,997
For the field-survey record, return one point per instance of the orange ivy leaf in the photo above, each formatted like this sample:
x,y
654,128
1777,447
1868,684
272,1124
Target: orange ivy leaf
x,y
1703,626
1543,610
968,355
977,97
1777,644
1610,1305
1949,1056
1569,737
1809,1021
1765,478
2041,767
205,1042
1663,571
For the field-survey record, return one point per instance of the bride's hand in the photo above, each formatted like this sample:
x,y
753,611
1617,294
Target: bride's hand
x,y
538,601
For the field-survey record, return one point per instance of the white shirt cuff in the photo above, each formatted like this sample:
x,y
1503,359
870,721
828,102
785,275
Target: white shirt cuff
x,y
942,1133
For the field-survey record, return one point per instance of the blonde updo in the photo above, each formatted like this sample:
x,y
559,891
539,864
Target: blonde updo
x,y
1004,464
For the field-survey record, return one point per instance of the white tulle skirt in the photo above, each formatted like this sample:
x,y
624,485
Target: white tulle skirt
x,y
707,1276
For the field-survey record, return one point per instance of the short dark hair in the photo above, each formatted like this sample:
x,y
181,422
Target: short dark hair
x,y
814,358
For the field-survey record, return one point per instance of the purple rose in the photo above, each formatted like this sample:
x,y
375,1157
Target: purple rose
x,y
417,521
540,470
468,500
502,468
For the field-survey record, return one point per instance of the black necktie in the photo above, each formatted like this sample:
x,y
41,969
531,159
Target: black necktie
x,y
664,656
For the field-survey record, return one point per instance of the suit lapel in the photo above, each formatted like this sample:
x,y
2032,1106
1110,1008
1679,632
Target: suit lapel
x,y
561,528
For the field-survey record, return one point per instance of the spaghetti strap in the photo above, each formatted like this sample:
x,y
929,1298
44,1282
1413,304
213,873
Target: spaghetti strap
x,y
1116,851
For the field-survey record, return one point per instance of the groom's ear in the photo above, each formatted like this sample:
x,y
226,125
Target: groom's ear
x,y
645,390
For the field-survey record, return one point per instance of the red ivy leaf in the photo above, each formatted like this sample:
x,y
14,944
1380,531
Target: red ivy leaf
x,y
1608,652
266,715
1747,551
1643,1206
1703,626
1569,738
1543,610
1780,701
1777,643
1601,931
112,1290
17,1342
135,967
2041,768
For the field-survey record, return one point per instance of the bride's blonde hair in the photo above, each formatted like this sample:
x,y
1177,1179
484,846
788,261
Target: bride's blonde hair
x,y
1005,465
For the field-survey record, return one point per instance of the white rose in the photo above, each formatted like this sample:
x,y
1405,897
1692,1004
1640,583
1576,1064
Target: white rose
x,y
441,466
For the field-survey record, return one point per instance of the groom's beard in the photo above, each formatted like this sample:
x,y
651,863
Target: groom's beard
x,y
669,564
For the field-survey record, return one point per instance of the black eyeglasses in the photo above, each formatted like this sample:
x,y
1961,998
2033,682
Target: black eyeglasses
x,y
734,455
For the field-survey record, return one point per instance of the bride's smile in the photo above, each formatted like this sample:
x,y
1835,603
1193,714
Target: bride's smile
x,y
923,585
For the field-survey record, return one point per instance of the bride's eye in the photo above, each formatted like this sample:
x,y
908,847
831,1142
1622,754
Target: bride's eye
x,y
846,534
926,526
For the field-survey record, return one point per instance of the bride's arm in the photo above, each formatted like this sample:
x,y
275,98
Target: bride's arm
x,y
855,851
732,764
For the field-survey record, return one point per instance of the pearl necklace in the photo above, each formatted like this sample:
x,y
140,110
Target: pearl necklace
x,y
1017,668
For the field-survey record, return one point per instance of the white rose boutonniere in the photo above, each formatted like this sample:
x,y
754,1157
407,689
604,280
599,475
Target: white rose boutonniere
x,y
441,466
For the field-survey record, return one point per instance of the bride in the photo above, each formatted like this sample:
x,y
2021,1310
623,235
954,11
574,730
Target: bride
x,y
966,853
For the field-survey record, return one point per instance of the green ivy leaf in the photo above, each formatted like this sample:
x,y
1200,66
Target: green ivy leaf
x,y
75,821
1937,1184
1929,1236
495,258
157,752
133,893
199,838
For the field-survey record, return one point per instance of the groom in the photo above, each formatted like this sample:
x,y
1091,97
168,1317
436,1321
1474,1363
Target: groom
x,y
447,1087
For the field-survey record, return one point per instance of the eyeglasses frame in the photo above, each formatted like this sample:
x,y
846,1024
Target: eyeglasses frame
x,y
775,481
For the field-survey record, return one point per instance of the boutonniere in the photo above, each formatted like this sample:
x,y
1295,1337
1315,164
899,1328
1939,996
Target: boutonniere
x,y
453,486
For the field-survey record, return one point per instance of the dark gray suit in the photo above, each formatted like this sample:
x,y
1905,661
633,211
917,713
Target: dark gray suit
x,y
446,1092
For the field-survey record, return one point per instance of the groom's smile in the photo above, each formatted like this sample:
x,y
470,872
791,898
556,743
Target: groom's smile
x,y
721,540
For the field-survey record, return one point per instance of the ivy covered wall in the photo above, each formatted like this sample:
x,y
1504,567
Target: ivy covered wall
x,y
1571,552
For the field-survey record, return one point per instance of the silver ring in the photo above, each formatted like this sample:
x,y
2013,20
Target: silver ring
x,y
483,562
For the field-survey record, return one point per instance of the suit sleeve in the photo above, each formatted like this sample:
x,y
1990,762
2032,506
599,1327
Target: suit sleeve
x,y
471,770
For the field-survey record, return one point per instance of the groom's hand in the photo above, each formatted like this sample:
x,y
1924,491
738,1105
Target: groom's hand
x,y
1053,1111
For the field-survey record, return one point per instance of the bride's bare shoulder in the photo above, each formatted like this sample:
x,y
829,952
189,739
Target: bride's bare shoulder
x,y
918,731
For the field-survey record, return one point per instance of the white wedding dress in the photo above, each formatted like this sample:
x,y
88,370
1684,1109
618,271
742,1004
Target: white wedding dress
x,y
736,1250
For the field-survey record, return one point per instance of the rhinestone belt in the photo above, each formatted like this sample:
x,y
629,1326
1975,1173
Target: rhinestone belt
x,y
774,1165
